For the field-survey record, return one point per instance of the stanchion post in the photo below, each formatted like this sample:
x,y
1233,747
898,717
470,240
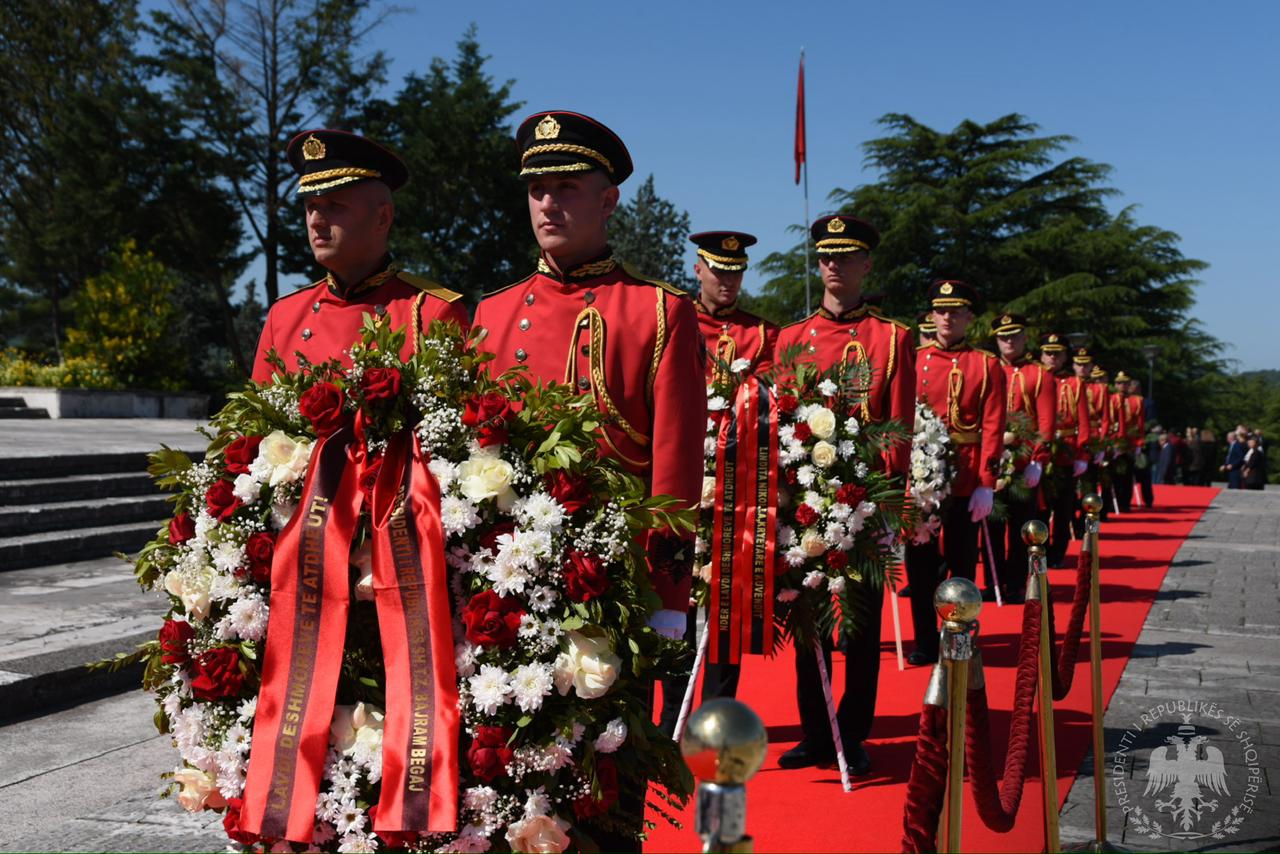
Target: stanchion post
x,y
1034,534
958,602
724,745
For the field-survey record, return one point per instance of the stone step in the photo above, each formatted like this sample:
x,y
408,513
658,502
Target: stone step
x,y
63,465
62,546
59,678
7,402
22,412
67,515
75,487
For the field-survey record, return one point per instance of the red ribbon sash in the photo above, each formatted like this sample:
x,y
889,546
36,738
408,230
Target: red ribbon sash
x,y
744,526
303,657
420,731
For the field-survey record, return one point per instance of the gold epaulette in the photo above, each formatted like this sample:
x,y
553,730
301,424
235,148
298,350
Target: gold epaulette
x,y
930,345
430,287
875,312
986,353
666,286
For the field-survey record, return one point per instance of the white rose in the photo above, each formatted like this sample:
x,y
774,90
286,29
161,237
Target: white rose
x,y
812,543
739,365
362,559
352,724
199,790
541,833
193,588
589,664
708,492
824,454
613,736
822,422
486,476
814,578
288,459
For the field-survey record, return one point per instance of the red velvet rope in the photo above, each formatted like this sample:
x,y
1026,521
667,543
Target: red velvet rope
x,y
927,783
1064,656
998,804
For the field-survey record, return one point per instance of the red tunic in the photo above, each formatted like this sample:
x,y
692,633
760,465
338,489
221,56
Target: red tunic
x,y
321,323
1116,415
966,388
863,334
1097,398
732,333
1033,390
1073,416
1135,421
635,344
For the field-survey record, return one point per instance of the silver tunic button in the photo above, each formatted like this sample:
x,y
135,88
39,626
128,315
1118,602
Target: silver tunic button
x,y
853,333
315,308
584,383
528,299
925,368
306,335
521,355
589,297
524,324
813,333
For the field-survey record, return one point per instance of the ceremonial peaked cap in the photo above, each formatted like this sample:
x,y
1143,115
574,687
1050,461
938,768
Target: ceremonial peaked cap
x,y
1008,323
1053,342
328,160
1082,356
724,250
925,323
952,293
1122,377
556,141
1098,373
841,234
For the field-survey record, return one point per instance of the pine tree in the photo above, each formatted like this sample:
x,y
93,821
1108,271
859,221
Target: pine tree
x,y
650,234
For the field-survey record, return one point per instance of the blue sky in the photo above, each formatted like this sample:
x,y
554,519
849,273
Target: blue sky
x,y
1179,97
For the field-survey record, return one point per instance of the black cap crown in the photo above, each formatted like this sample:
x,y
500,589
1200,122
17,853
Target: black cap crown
x,y
557,141
952,293
1008,323
924,323
1053,342
328,160
1082,356
724,250
841,234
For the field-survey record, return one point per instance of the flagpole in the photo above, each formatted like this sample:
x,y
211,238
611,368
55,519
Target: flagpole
x,y
804,226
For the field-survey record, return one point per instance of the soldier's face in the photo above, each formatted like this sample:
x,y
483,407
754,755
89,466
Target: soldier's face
x,y
844,273
720,288
1082,371
1053,360
1012,346
347,225
569,212
952,322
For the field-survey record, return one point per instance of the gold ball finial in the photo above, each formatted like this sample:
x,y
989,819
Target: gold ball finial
x,y
724,742
1092,504
957,600
1035,533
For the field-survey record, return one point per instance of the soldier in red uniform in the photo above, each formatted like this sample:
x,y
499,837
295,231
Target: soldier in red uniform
x,y
1130,416
1136,423
731,333
347,182
847,328
925,328
1071,443
1097,401
966,388
1030,389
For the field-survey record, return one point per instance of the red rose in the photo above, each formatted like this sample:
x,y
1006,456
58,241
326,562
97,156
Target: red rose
x,y
803,432
837,559
231,823
174,637
239,454
806,515
489,754
571,490
489,539
491,619
380,383
217,674
181,528
607,776
392,838
793,477
585,576
221,500
260,549
788,403
369,476
851,494
489,414
322,406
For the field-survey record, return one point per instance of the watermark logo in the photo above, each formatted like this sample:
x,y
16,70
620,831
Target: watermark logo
x,y
1172,774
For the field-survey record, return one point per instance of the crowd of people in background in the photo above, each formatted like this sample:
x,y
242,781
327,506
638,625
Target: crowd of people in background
x,y
1194,459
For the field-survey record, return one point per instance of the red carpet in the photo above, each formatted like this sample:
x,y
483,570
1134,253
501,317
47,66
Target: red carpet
x,y
807,811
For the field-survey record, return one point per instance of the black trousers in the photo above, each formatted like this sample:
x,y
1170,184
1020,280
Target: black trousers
x,y
1122,481
925,567
1063,506
718,680
1143,476
1010,550
857,708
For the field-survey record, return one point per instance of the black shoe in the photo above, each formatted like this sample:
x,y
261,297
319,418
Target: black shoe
x,y
988,594
858,761
905,592
1014,597
920,658
806,755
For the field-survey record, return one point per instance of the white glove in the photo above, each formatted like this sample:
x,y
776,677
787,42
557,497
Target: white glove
x,y
980,503
669,623
1079,467
1031,475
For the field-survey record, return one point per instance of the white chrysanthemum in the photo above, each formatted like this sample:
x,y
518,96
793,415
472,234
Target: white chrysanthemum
x,y
852,427
457,515
846,449
813,579
827,388
542,598
247,710
861,471
795,556
814,499
464,658
836,585
508,577
613,737
839,511
247,488
231,773
536,803
225,586
786,434
786,535
471,840
479,799
806,475
446,472
737,366
281,513
358,843
237,737
490,688
833,533
228,556
529,684
541,512
709,447
715,403
245,619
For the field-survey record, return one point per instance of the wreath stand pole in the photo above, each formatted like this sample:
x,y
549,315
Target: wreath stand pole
x,y
831,717
704,637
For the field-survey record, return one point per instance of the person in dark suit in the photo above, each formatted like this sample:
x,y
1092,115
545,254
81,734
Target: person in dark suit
x,y
1254,468
1236,450
1166,460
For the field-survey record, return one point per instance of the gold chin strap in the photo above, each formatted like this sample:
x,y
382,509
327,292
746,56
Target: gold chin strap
x,y
955,387
593,321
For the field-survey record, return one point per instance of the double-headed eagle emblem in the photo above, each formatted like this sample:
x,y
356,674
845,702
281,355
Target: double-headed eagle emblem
x,y
1194,763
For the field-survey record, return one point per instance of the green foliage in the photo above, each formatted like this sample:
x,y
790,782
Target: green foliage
x,y
1251,398
649,233
124,321
461,220
17,369
992,204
